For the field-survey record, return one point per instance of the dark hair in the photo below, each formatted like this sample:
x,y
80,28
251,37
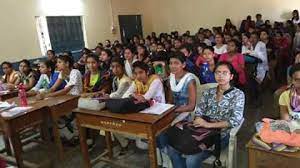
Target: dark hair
x,y
68,59
131,49
254,33
236,43
178,55
234,81
49,64
118,60
247,34
108,52
51,51
69,53
142,65
220,34
294,69
188,47
95,57
210,48
258,15
159,56
25,61
6,63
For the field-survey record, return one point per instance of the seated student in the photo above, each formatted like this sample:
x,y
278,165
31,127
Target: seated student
x,y
227,37
142,54
190,59
73,86
295,18
81,63
145,86
182,84
47,79
129,60
121,82
200,60
105,59
259,51
10,77
27,75
296,41
297,60
289,99
95,79
51,56
209,56
230,102
71,76
236,59
220,47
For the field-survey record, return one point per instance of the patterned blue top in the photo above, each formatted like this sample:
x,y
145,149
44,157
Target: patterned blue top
x,y
230,108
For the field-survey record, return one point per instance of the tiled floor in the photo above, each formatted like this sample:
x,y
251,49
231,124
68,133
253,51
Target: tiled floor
x,y
138,158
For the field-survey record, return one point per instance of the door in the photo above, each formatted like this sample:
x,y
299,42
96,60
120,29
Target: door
x,y
130,25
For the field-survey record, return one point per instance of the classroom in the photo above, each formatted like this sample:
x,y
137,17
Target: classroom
x,y
149,84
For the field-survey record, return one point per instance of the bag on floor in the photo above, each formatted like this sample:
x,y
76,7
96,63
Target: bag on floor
x,y
126,105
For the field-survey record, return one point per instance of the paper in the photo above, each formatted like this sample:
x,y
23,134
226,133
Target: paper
x,y
5,104
157,108
4,92
15,111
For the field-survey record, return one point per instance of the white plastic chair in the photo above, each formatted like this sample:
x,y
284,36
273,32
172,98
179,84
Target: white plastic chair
x,y
228,156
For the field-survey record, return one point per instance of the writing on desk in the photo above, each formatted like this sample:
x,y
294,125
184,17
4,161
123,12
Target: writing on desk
x,y
111,123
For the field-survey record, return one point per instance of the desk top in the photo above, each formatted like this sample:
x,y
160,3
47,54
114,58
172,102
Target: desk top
x,y
251,145
38,104
136,117
4,95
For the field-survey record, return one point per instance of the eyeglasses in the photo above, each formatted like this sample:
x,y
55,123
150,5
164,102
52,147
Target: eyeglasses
x,y
224,73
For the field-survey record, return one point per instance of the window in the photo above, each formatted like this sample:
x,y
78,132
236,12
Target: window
x,y
60,33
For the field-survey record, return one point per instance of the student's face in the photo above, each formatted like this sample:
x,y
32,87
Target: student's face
x,y
92,64
208,55
6,69
141,75
160,48
176,66
136,40
223,75
98,51
231,47
140,50
128,54
297,59
264,36
117,69
24,68
199,50
253,39
44,69
62,65
227,38
245,39
177,44
296,79
185,52
219,39
153,47
50,55
104,56
147,42
295,14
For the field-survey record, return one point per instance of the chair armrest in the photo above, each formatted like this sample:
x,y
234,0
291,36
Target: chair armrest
x,y
235,130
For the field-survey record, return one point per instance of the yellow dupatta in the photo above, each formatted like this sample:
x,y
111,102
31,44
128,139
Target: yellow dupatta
x,y
143,88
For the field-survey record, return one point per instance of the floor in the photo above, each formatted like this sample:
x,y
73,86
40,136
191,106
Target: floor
x,y
138,158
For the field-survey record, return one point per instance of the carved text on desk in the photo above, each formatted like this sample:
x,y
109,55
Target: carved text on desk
x,y
112,123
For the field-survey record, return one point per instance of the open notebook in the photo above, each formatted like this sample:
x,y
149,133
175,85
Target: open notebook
x,y
157,108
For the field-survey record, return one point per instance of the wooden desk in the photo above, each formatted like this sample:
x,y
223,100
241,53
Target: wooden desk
x,y
7,95
12,126
260,158
137,124
53,107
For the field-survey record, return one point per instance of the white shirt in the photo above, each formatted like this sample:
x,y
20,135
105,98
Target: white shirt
x,y
42,84
260,51
220,50
296,21
74,79
123,84
128,68
155,91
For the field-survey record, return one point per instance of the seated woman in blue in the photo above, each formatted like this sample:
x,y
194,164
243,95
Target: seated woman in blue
x,y
224,105
47,80
207,69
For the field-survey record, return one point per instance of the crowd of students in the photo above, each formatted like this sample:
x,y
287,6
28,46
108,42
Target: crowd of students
x,y
168,68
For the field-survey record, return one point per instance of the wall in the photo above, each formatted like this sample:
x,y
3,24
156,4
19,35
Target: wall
x,y
18,31
183,15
